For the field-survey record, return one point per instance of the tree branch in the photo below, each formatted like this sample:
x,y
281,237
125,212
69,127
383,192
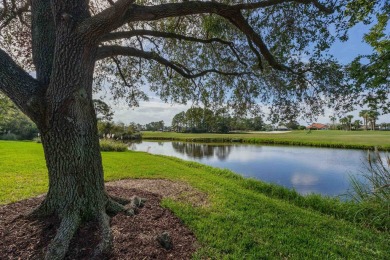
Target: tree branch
x,y
125,11
110,51
105,21
267,3
238,20
129,34
43,39
254,50
20,87
230,12
156,12
121,74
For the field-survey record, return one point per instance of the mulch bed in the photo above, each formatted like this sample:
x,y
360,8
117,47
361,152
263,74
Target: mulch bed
x,y
134,237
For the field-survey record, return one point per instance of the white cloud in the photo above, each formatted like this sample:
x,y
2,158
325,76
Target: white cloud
x,y
303,179
148,111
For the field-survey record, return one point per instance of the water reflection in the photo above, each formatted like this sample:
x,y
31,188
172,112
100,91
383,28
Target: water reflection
x,y
306,169
200,151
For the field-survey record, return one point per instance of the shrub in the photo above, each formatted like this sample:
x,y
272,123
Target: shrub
x,y
112,146
372,189
9,136
37,140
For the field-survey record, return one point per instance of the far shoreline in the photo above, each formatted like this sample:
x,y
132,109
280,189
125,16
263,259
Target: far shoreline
x,y
363,140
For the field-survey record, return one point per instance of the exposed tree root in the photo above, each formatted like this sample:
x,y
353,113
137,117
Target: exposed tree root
x,y
105,244
114,207
120,200
59,245
40,212
71,221
130,209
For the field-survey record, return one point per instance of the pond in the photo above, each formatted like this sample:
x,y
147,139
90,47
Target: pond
x,y
306,169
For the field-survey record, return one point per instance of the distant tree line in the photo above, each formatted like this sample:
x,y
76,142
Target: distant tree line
x,y
108,129
154,126
118,130
204,120
369,122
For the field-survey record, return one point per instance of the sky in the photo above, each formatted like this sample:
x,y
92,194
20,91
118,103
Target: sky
x,y
156,110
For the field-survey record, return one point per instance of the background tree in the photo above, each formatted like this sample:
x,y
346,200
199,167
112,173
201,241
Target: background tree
x,y
292,124
13,123
350,121
195,121
357,124
333,119
344,123
222,120
372,117
268,51
179,122
364,114
371,72
103,111
155,126
257,123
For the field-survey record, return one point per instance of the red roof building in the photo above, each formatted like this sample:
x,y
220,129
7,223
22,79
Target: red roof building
x,y
317,126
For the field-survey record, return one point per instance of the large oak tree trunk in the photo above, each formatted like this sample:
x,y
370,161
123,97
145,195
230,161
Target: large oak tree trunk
x,y
65,58
74,163
70,140
71,145
69,134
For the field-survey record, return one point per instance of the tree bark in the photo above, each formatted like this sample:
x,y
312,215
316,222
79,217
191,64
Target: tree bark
x,y
60,102
68,125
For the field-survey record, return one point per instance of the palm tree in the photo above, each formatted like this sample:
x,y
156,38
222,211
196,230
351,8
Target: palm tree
x,y
372,117
333,119
357,124
350,121
365,115
344,122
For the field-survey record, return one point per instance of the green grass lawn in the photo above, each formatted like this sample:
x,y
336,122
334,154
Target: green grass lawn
x,y
324,138
245,219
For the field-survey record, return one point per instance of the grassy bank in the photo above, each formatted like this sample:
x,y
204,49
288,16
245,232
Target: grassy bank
x,y
322,138
245,219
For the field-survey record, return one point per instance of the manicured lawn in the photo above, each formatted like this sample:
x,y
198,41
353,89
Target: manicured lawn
x,y
327,138
245,219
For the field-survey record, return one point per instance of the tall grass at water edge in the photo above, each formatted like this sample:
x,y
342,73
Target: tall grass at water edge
x,y
112,146
372,189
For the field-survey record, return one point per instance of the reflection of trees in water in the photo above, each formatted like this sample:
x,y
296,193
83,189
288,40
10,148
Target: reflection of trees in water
x,y
200,151
223,151
133,145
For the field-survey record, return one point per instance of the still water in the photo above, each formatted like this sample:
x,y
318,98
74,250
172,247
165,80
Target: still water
x,y
306,169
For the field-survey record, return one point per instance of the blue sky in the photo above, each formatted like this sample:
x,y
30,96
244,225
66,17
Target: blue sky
x,y
345,52
156,110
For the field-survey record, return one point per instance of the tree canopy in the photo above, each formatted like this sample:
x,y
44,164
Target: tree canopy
x,y
238,52
371,73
